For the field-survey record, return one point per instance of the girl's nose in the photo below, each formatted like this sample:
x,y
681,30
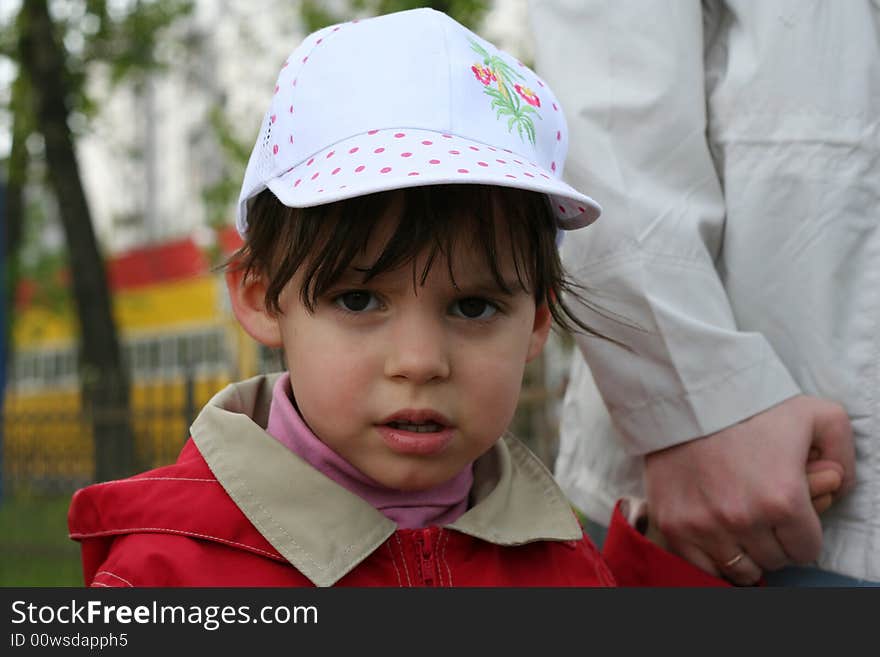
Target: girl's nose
x,y
417,350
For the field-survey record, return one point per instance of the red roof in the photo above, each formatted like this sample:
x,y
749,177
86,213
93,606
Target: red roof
x,y
156,263
151,264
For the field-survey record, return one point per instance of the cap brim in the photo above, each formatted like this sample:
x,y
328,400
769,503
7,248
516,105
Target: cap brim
x,y
381,160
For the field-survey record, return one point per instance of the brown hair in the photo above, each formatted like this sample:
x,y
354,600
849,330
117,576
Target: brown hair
x,y
325,239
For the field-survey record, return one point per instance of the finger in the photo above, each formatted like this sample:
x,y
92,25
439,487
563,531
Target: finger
x,y
741,570
801,535
822,503
823,482
728,559
832,438
817,464
764,549
788,510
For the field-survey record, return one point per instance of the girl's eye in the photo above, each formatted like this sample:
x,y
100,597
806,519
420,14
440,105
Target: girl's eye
x,y
357,301
473,308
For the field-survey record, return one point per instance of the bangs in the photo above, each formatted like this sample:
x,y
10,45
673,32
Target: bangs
x,y
324,241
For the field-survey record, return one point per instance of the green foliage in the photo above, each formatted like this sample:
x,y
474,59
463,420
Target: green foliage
x,y
128,42
316,15
93,32
123,41
43,266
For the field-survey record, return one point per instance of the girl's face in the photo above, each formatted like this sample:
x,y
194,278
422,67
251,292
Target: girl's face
x,y
410,383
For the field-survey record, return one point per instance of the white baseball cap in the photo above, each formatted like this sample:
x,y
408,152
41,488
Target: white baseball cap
x,y
406,99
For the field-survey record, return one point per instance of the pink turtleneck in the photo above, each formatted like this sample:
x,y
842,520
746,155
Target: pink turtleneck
x,y
440,505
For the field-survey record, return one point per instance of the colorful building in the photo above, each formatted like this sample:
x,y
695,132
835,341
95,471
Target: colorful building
x,y
180,344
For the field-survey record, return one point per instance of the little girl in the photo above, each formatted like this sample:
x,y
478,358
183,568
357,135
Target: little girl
x,y
400,214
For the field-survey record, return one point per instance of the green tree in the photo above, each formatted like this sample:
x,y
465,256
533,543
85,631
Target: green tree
x,y
316,14
48,93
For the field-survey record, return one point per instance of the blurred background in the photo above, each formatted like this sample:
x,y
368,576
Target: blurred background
x,y
125,127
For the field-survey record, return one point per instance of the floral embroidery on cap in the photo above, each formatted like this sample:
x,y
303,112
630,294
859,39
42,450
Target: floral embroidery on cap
x,y
528,95
494,69
484,75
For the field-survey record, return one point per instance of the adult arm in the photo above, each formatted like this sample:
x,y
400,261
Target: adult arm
x,y
694,392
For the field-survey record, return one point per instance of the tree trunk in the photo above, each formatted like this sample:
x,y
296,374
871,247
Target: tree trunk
x,y
12,219
13,211
104,382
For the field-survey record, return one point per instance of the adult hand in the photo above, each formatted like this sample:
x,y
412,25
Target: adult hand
x,y
824,479
737,502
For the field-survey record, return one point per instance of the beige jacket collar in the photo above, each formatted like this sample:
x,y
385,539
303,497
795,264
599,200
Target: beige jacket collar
x,y
323,529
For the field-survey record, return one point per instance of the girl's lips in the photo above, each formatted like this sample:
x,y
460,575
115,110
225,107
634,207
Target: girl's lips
x,y
414,442
417,416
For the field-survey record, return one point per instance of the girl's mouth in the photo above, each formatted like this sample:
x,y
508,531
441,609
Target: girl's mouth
x,y
420,433
422,427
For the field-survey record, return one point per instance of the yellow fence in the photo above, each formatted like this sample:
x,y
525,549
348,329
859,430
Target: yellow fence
x,y
48,445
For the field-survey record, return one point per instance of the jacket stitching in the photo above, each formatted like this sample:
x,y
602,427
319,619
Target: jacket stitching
x,y
127,530
444,559
394,563
107,572
403,558
139,479
441,536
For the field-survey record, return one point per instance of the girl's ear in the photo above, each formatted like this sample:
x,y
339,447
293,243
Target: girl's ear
x,y
247,295
540,331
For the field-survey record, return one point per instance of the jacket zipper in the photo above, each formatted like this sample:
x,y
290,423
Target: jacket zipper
x,y
425,544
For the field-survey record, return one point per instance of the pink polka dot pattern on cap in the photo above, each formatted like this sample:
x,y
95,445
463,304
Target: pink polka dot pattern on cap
x,y
356,170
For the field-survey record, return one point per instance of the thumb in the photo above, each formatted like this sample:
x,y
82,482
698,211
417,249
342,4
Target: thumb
x,y
832,440
823,482
816,464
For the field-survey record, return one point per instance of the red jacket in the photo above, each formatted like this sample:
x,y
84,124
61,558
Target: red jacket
x,y
239,509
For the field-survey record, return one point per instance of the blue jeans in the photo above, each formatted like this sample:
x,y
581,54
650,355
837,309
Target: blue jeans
x,y
804,576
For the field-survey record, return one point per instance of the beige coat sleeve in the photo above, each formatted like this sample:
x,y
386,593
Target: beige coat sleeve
x,y
632,80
